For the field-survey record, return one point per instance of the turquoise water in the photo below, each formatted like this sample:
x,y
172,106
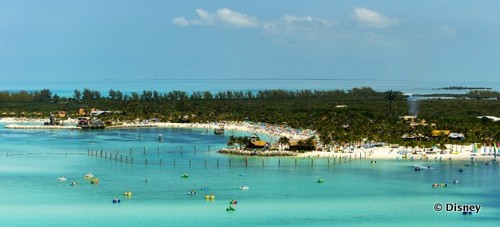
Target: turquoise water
x,y
282,193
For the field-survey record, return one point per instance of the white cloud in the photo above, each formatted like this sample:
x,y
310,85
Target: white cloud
x,y
296,23
236,19
373,18
222,17
181,21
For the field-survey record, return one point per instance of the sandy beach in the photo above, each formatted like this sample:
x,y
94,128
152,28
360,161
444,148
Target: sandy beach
x,y
463,152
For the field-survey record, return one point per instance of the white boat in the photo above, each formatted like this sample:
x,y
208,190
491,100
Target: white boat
x,y
89,175
244,188
62,179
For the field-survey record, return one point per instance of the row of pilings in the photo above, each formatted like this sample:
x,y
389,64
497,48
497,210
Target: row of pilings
x,y
230,161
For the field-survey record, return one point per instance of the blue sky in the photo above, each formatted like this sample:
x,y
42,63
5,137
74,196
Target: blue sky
x,y
386,40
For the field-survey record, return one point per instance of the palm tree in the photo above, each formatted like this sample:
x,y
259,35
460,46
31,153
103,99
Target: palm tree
x,y
390,96
284,141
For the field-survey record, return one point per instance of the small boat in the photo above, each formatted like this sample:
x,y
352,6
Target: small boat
x,y
88,175
210,197
94,180
74,183
185,175
62,179
127,194
192,192
230,208
116,200
320,181
233,202
146,180
244,188
219,131
204,188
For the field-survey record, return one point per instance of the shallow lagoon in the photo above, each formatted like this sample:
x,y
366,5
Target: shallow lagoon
x,y
281,193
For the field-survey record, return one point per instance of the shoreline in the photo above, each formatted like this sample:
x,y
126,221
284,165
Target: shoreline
x,y
453,152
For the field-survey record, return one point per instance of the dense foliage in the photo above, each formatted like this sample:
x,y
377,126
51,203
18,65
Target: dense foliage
x,y
339,116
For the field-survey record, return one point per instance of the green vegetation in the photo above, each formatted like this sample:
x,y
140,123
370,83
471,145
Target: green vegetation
x,y
339,116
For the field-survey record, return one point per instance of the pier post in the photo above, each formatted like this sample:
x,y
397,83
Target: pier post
x,y
88,151
205,163
101,152
312,162
144,150
158,150
189,162
181,150
126,159
279,162
328,161
229,162
246,161
340,159
146,161
194,149
295,162
116,156
262,162
130,151
174,161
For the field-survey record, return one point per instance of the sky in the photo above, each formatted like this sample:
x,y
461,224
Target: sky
x,y
68,40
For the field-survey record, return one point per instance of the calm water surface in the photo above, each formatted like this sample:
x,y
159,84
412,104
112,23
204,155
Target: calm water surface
x,y
281,192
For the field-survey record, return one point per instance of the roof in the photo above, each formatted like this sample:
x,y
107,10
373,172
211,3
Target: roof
x,y
440,132
259,143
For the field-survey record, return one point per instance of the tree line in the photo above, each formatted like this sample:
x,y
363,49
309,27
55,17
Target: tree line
x,y
338,115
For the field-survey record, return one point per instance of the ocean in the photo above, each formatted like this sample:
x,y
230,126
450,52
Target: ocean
x,y
65,88
282,191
